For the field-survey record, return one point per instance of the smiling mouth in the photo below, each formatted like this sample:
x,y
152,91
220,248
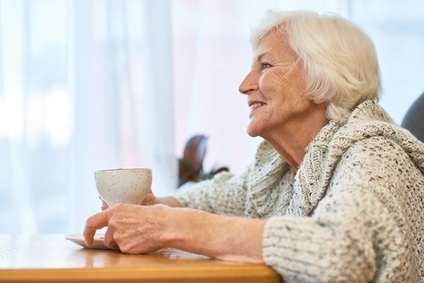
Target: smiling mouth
x,y
256,105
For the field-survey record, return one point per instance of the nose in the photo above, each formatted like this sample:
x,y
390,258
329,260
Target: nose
x,y
249,84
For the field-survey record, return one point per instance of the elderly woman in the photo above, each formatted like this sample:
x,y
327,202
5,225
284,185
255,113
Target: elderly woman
x,y
336,192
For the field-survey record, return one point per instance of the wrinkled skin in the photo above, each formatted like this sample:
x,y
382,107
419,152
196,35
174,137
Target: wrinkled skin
x,y
132,229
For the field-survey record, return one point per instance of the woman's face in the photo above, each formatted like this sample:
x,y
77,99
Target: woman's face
x,y
275,89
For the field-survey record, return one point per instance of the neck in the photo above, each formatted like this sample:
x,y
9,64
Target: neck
x,y
291,141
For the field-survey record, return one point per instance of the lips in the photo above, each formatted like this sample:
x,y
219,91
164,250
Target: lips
x,y
255,104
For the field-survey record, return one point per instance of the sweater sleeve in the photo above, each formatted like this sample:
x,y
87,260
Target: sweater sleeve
x,y
225,194
322,248
357,233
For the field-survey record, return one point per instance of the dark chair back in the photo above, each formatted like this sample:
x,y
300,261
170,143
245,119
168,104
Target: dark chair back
x,y
414,118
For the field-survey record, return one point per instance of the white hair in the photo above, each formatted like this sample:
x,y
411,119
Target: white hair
x,y
339,59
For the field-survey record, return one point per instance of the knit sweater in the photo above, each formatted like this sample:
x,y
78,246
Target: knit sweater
x,y
353,212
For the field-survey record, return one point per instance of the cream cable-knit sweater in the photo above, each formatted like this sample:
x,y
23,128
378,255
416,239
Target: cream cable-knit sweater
x,y
354,212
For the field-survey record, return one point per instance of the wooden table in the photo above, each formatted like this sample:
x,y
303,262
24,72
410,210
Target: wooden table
x,y
52,258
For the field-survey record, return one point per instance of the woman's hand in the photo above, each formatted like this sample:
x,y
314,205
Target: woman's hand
x,y
132,229
139,229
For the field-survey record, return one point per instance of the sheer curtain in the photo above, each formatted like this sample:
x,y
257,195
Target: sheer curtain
x,y
123,95
85,85
93,84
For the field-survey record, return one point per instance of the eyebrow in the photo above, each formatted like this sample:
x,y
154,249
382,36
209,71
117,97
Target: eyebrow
x,y
259,57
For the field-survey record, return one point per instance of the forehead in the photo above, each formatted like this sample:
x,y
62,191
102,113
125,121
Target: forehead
x,y
276,44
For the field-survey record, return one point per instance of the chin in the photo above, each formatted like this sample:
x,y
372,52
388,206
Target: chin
x,y
251,132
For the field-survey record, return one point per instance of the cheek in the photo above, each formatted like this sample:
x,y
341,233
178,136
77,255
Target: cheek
x,y
269,83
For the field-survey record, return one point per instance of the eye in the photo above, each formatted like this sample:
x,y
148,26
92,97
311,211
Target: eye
x,y
265,65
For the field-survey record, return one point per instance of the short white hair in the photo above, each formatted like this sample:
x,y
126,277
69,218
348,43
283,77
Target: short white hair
x,y
339,59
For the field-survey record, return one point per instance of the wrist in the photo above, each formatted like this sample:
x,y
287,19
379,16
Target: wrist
x,y
224,237
172,221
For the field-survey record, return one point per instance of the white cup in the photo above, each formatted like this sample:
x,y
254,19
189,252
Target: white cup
x,y
123,185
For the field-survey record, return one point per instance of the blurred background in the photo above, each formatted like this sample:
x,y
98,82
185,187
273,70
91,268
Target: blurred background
x,y
97,84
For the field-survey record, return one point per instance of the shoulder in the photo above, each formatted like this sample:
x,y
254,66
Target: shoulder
x,y
379,139
378,162
379,147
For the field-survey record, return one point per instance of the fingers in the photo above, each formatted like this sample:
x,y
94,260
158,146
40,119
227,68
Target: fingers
x,y
109,241
148,200
104,205
95,222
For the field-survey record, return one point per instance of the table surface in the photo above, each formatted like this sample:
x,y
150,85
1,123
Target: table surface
x,y
52,258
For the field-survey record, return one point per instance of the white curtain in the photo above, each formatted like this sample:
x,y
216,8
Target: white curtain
x,y
123,95
94,84
85,85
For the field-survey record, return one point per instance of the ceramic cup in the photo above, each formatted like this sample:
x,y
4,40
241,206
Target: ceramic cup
x,y
123,185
